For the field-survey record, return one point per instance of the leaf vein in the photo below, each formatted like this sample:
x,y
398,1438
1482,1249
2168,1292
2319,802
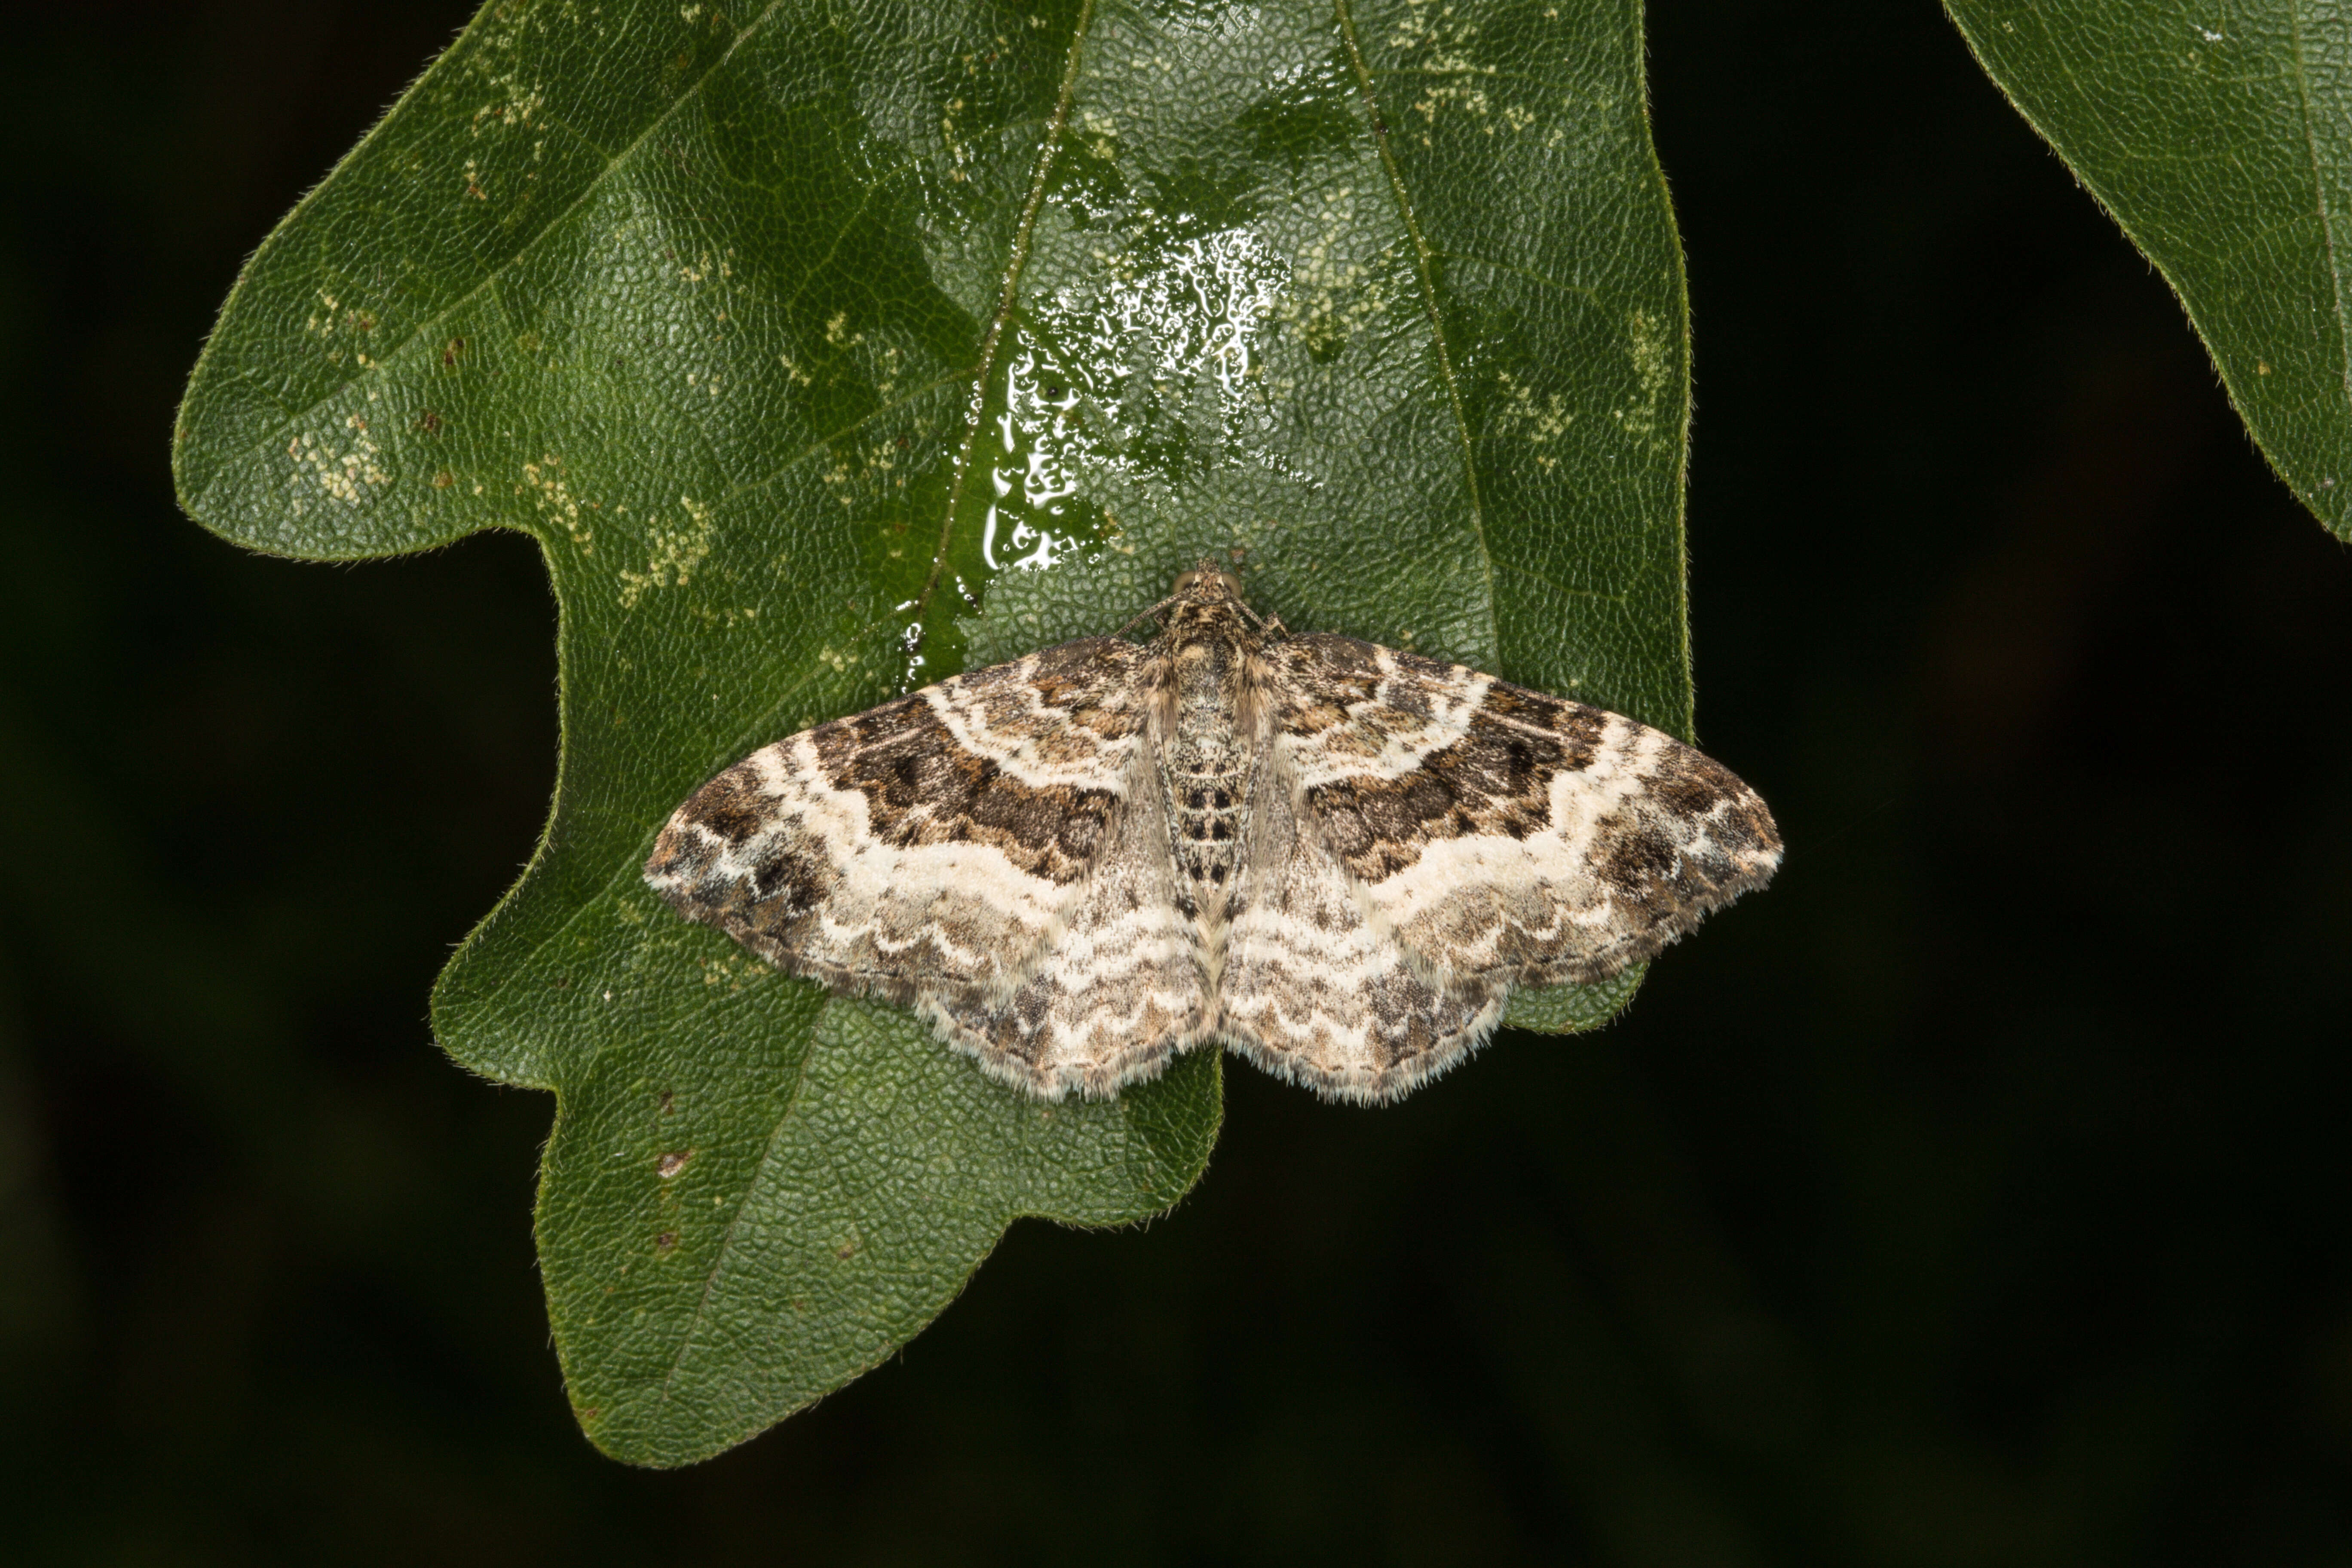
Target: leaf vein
x,y
824,442
1560,587
1425,263
735,1220
587,189
1529,273
2319,193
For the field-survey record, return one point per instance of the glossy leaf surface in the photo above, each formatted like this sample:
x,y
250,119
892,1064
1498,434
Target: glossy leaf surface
x,y
2220,138
826,349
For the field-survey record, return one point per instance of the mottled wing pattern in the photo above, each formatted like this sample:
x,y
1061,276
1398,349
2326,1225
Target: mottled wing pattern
x,y
932,850
1505,834
1120,988
1317,993
1493,835
1336,857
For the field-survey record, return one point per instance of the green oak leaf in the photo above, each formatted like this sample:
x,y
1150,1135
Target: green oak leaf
x,y
2219,137
825,348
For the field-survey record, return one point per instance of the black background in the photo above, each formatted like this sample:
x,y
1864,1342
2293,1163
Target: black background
x,y
1977,1195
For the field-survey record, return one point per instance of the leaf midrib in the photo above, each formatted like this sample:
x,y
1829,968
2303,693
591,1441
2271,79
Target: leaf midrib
x,y
1016,261
1049,148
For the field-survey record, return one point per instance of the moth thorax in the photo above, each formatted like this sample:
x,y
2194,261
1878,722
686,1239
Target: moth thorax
x,y
1207,766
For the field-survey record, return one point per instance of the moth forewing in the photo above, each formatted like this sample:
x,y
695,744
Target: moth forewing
x,y
1333,857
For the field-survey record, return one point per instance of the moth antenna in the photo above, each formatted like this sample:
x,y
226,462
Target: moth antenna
x,y
1264,623
1150,614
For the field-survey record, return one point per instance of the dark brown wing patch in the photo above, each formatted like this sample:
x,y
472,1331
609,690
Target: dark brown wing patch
x,y
1506,835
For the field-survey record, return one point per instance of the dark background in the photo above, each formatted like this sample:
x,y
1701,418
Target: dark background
x,y
1978,1195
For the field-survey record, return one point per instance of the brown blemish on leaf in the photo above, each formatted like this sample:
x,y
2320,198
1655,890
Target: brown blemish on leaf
x,y
669,1166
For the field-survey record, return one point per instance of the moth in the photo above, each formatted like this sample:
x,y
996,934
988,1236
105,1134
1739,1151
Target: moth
x,y
1335,859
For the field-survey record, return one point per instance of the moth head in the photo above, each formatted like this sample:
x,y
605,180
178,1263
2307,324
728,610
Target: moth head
x,y
1205,581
